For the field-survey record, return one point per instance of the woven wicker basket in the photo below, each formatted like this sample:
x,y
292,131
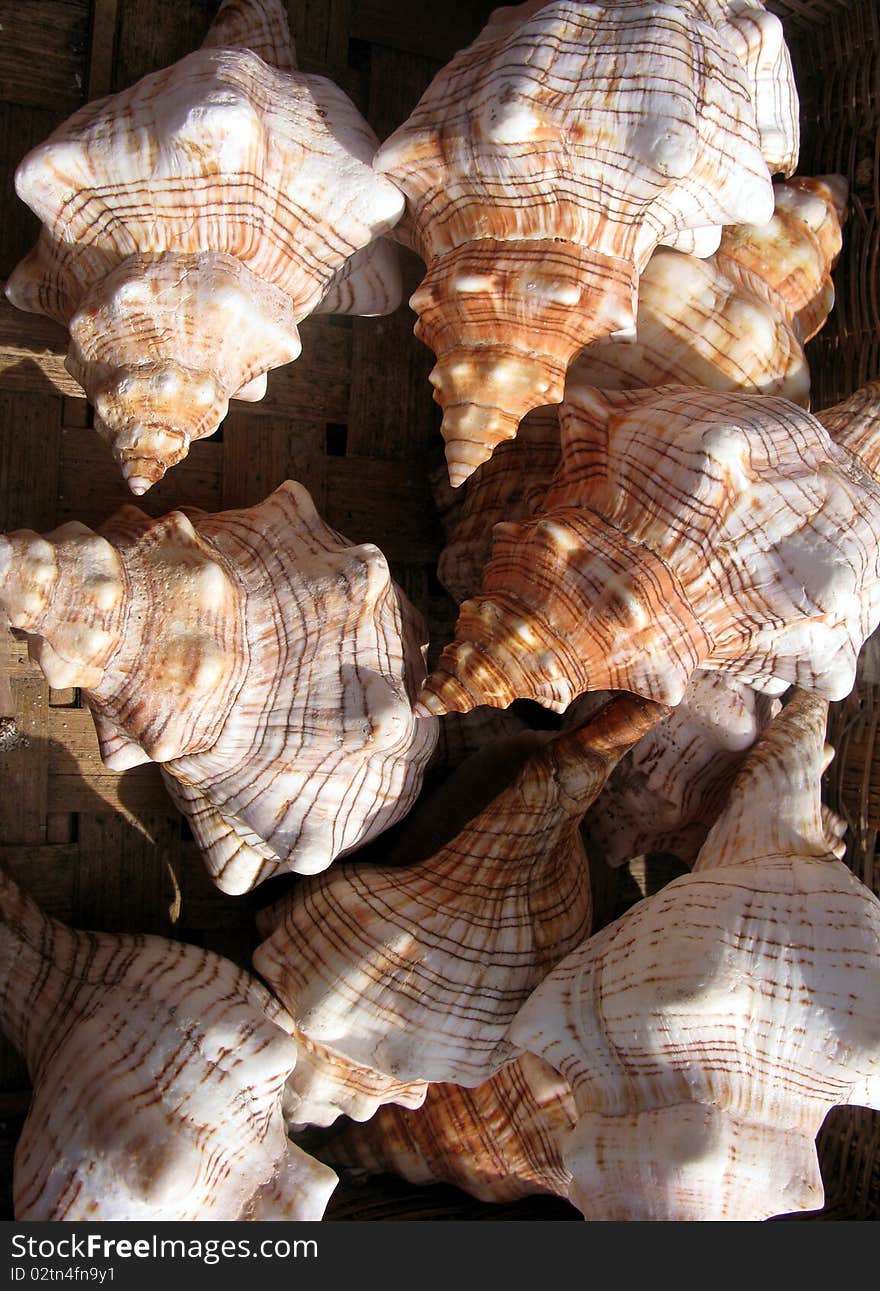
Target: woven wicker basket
x,y
353,420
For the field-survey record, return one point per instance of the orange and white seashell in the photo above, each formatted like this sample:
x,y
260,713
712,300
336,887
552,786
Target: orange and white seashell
x,y
738,320
707,1032
158,1073
265,662
855,425
191,222
667,792
498,1141
415,972
541,168
509,486
683,530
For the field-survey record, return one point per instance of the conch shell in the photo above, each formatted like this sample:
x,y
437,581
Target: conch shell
x,y
267,664
854,424
190,223
738,320
541,168
498,1142
415,972
683,530
706,1033
158,1072
667,792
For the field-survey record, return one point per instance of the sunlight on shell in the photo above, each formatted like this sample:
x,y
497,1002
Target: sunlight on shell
x,y
706,1033
158,1072
199,288
541,168
267,663
683,529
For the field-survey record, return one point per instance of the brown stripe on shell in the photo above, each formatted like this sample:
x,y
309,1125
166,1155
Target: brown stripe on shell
x,y
707,1032
158,1071
599,130
766,531
416,971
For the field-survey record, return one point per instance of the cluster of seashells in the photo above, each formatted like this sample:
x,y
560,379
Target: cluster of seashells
x,y
656,541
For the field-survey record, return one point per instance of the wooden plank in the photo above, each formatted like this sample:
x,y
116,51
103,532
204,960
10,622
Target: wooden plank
x,y
259,453
13,660
320,31
43,52
48,874
30,437
316,385
388,503
438,31
123,879
21,128
102,42
32,350
130,793
155,34
392,413
24,765
397,82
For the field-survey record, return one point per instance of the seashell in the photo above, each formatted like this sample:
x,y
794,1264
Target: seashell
x,y
541,168
735,322
707,1032
854,424
415,972
498,1141
789,260
509,486
739,320
666,794
266,663
683,530
198,290
158,1071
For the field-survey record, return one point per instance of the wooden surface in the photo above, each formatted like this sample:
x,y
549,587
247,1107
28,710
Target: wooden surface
x,y
354,421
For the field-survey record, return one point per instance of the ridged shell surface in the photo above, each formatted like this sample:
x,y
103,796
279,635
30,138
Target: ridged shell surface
x,y
417,971
498,1142
667,792
158,1073
683,530
541,168
146,196
267,663
707,1032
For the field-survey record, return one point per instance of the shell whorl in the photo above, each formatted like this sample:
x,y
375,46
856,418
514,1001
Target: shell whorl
x,y
246,186
267,663
371,965
158,1072
541,168
707,1032
683,529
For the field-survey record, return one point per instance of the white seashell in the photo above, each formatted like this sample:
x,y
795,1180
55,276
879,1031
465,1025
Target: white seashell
x,y
666,793
158,1073
706,1033
415,972
683,530
854,424
541,168
246,186
268,665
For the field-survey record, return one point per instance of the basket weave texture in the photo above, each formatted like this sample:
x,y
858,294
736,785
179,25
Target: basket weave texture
x,y
353,420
